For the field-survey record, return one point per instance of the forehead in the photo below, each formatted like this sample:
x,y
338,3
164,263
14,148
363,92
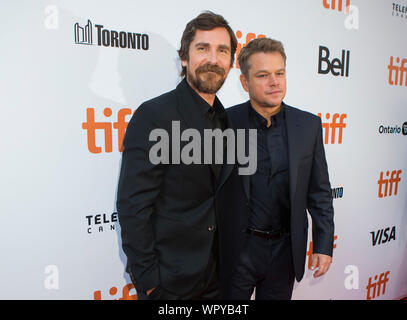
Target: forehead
x,y
266,61
217,36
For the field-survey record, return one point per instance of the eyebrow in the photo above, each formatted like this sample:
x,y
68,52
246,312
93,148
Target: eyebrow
x,y
266,71
206,44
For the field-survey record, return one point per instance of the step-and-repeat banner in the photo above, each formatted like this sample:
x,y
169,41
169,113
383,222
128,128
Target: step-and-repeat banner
x,y
73,72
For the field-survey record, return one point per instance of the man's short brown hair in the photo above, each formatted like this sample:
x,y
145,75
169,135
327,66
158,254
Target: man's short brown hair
x,y
265,45
205,21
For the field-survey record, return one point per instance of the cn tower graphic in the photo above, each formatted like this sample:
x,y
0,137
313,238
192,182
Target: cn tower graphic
x,y
83,35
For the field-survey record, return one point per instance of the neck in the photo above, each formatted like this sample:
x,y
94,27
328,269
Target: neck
x,y
208,97
266,112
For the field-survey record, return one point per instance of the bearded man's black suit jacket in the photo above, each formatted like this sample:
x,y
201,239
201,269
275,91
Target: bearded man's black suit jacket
x,y
168,213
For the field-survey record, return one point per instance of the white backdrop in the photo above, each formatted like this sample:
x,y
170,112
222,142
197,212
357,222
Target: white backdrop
x,y
60,238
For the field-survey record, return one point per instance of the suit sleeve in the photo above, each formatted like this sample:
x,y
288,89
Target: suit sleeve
x,y
138,188
319,201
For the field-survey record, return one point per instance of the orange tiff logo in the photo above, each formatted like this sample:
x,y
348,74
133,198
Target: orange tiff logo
x,y
332,5
397,73
388,183
91,126
97,295
250,36
330,127
377,284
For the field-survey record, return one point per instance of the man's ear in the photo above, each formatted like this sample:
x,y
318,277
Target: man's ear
x,y
244,82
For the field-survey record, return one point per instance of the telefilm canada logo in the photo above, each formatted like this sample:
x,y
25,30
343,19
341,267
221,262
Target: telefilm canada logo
x,y
399,11
97,223
110,38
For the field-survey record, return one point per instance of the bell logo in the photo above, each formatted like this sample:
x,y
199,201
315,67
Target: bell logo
x,y
397,74
388,183
332,5
336,123
336,67
377,284
91,126
250,36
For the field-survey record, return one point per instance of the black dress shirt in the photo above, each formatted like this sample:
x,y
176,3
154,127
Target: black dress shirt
x,y
269,185
213,117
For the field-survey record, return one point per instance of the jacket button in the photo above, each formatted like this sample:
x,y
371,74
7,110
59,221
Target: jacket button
x,y
211,228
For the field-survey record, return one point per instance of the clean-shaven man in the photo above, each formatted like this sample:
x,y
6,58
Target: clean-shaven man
x,y
264,238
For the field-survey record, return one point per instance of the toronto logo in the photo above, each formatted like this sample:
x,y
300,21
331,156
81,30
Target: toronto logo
x,y
83,35
110,38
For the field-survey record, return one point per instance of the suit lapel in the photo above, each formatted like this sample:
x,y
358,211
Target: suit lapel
x,y
240,120
294,139
226,168
187,109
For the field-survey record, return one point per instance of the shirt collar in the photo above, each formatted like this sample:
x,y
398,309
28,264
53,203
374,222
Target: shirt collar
x,y
261,122
204,107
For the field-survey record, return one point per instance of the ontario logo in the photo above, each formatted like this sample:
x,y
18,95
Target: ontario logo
x,y
110,38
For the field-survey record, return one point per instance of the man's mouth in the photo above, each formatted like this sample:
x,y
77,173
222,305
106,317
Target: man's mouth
x,y
273,92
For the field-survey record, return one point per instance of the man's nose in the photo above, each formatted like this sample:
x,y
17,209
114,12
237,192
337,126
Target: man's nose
x,y
272,80
212,56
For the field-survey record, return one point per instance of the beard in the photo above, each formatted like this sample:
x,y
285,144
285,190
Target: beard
x,y
207,82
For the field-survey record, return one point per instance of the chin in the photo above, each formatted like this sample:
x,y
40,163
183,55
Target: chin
x,y
273,104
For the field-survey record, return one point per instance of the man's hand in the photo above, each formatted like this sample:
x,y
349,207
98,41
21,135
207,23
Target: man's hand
x,y
322,262
149,291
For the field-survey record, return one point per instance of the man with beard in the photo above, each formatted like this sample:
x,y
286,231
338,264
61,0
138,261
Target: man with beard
x,y
168,211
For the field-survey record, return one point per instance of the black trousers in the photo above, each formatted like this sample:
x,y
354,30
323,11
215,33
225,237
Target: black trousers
x,y
266,265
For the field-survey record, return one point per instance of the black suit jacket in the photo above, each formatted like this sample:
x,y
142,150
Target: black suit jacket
x,y
166,212
309,189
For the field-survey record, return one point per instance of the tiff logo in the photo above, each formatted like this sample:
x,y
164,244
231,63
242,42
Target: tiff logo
x,y
377,284
352,12
332,5
332,126
399,72
97,295
388,183
83,35
91,126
